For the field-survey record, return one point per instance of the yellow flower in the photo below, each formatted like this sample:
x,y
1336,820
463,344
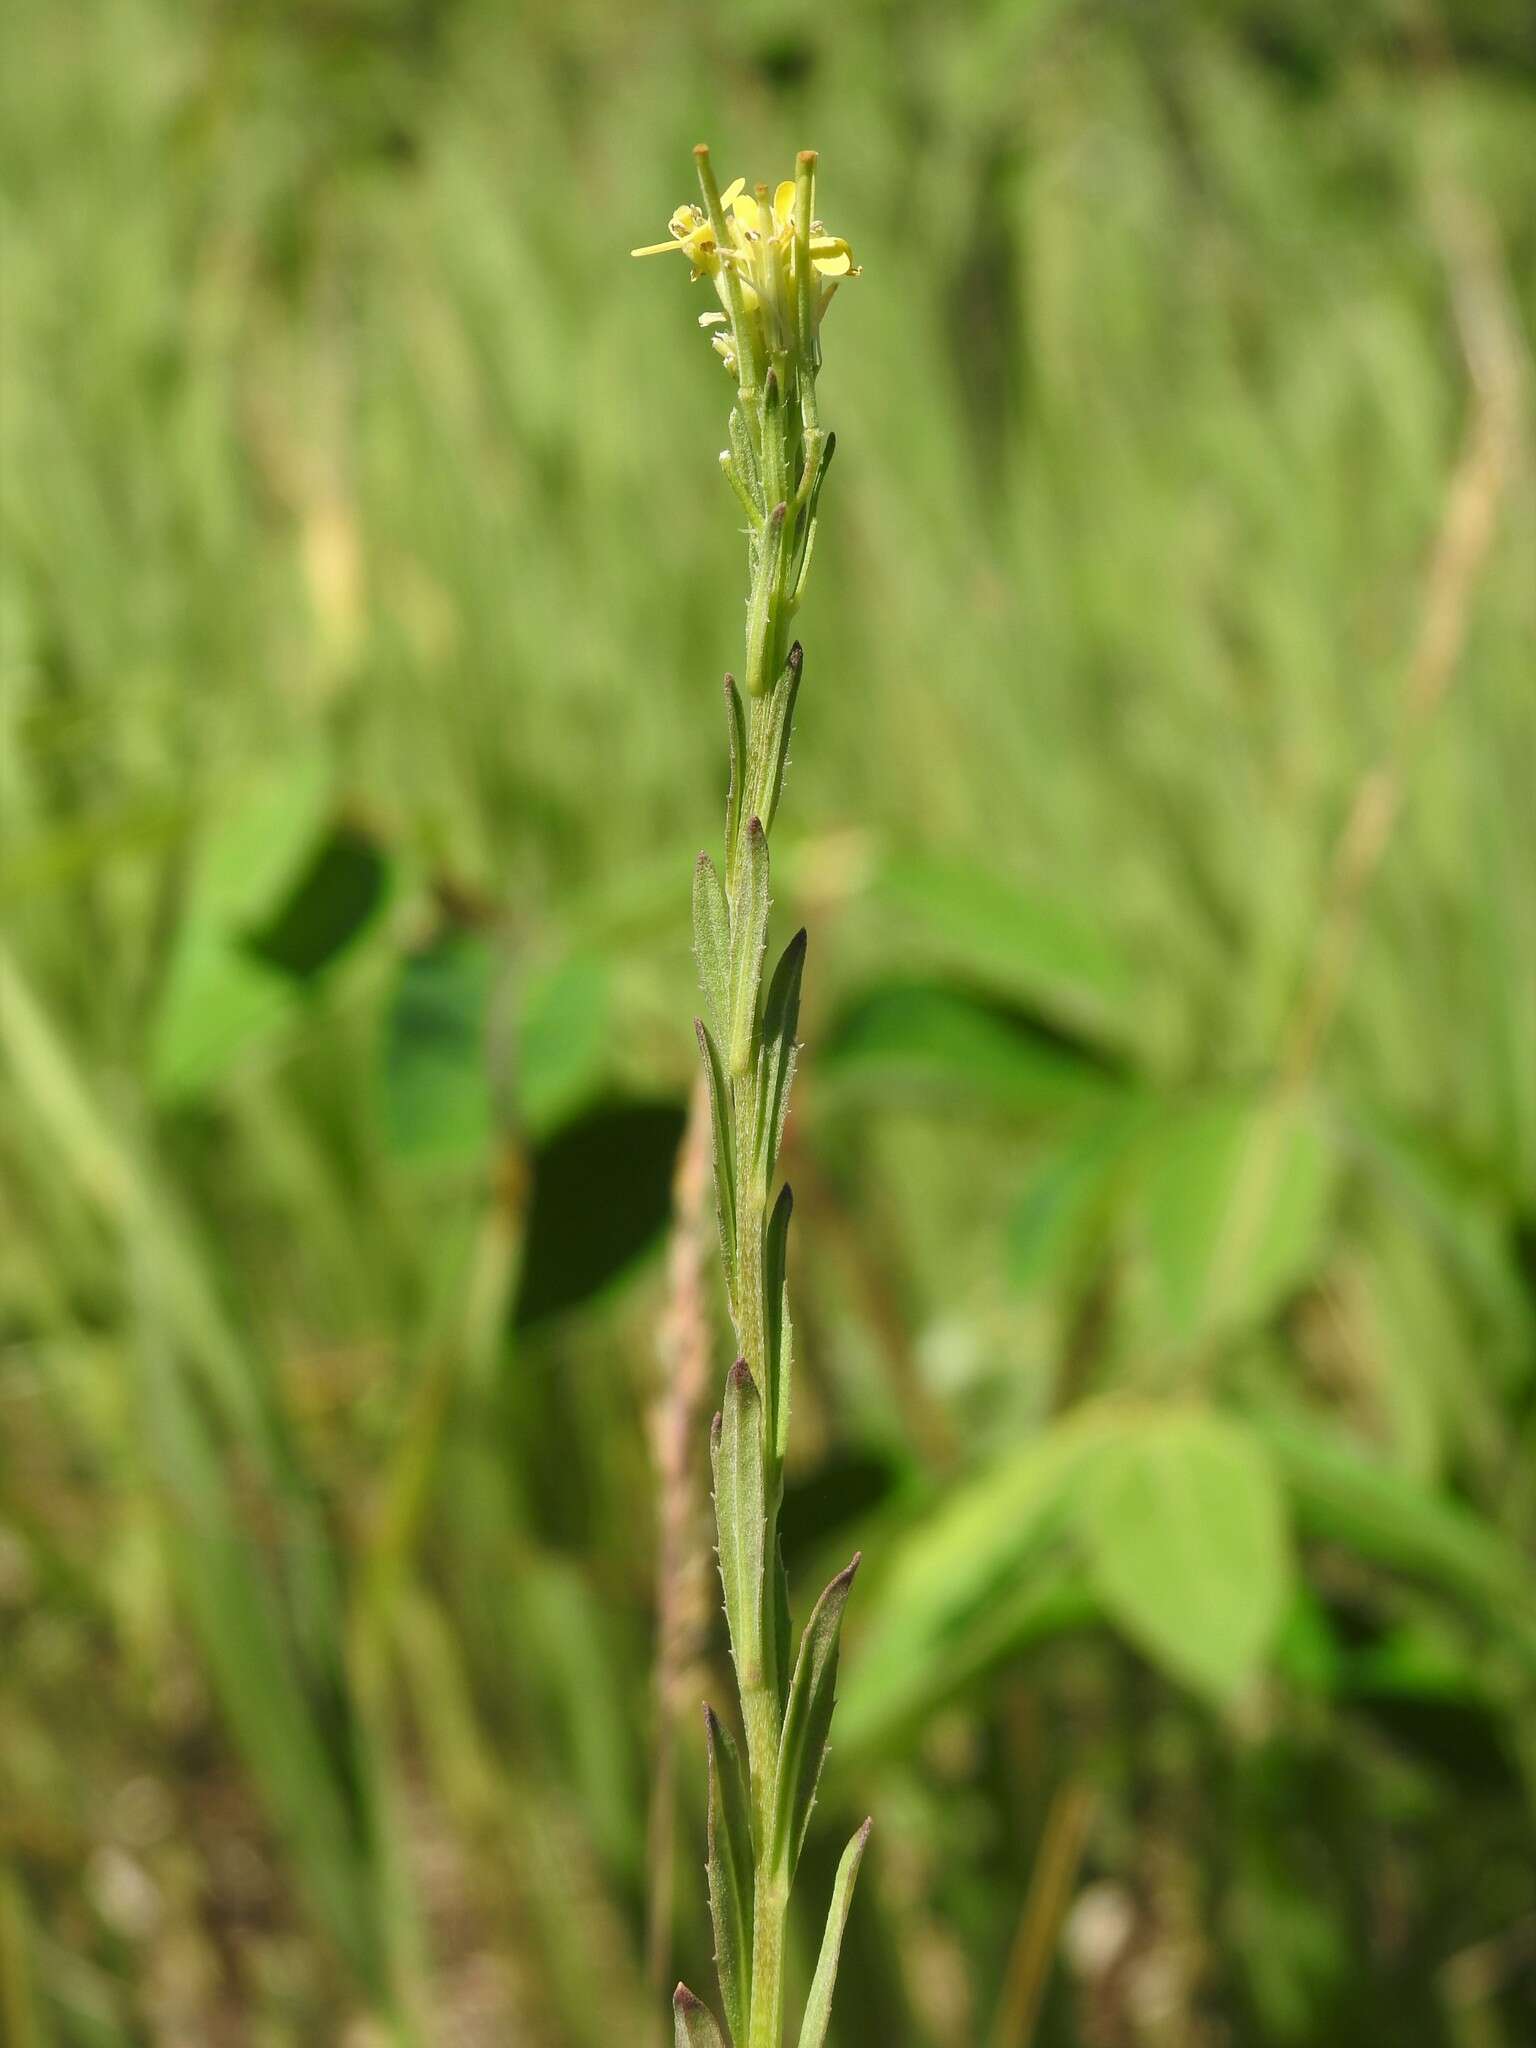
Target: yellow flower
x,y
691,232
758,257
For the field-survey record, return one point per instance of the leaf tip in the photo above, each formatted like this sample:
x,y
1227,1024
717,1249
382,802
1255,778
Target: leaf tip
x,y
739,1379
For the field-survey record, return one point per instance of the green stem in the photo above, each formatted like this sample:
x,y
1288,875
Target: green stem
x,y
765,2028
782,447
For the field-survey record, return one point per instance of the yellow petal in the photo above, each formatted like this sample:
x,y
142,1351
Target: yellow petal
x,y
833,266
744,206
657,249
784,200
728,196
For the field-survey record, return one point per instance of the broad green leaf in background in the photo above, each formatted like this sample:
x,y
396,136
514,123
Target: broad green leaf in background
x,y
941,1588
942,1044
562,1042
1057,1218
257,839
218,1001
435,1071
1188,1544
1042,950
218,998
1340,1493
1232,1200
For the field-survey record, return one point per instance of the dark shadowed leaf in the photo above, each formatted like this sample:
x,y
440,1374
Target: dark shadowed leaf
x,y
602,1194
331,905
932,1042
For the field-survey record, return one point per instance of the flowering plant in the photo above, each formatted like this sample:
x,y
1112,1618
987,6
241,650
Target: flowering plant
x,y
775,270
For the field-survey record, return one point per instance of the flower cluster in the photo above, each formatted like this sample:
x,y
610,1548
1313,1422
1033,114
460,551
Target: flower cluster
x,y
774,268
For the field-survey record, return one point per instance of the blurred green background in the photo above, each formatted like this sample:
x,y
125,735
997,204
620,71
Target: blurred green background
x,y
1165,1150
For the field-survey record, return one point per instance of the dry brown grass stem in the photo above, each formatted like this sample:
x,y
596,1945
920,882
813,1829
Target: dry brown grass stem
x,y
685,1348
1062,1843
1489,334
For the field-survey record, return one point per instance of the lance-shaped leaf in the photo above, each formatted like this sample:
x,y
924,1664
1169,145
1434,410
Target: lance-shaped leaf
x,y
693,2024
761,611
729,1870
712,940
724,1153
813,503
740,1519
775,475
807,1719
818,2006
749,930
773,744
776,1056
778,1593
744,455
778,1337
736,730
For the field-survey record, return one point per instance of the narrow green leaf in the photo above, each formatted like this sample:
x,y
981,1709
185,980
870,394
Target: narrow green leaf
x,y
776,1056
778,1336
693,2024
778,1594
749,931
761,623
740,1511
778,727
1189,1548
712,941
818,2006
729,1870
808,518
724,1151
744,455
736,732
807,1720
